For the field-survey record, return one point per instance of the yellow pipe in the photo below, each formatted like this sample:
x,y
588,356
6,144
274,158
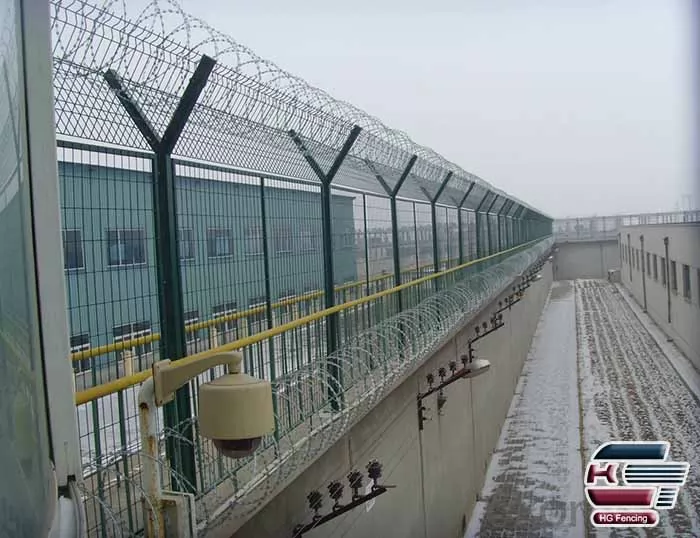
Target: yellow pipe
x,y
122,383
127,344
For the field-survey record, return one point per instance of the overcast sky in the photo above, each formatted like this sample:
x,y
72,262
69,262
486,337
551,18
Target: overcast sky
x,y
578,107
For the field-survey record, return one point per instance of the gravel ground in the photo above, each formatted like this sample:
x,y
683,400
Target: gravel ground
x,y
594,374
631,391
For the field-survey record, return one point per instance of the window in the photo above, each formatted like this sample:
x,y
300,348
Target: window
x,y
283,239
73,250
80,342
648,263
686,281
254,241
219,243
186,244
131,331
663,271
655,268
191,317
126,247
308,240
227,329
346,240
673,277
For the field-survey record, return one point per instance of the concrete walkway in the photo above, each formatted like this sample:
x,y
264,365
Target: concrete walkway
x,y
616,384
534,485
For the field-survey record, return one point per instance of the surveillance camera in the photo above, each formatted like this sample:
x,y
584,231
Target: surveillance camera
x,y
235,412
237,448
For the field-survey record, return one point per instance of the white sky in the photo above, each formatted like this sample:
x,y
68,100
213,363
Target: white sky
x,y
577,107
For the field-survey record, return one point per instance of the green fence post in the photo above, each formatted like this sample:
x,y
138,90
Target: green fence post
x,y
491,249
392,193
433,217
180,448
460,232
326,178
479,225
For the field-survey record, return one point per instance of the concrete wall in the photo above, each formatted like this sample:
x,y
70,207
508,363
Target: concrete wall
x,y
439,471
684,249
585,259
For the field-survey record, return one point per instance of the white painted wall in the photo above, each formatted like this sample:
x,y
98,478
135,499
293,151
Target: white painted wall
x,y
684,249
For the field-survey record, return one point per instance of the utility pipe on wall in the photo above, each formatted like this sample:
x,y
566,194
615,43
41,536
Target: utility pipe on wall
x,y
668,278
644,279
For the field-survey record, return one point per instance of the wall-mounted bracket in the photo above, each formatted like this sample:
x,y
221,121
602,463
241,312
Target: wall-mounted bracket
x,y
335,492
470,368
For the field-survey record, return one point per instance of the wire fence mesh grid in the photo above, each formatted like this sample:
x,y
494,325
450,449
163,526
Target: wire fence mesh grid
x,y
251,246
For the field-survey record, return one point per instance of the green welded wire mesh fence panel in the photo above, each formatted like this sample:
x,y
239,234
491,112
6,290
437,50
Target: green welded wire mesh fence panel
x,y
249,228
109,264
408,256
452,237
470,222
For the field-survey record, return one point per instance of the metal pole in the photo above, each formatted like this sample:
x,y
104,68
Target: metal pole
x,y
460,249
644,280
394,217
150,466
268,294
335,382
668,278
460,221
364,219
433,215
488,224
629,249
177,414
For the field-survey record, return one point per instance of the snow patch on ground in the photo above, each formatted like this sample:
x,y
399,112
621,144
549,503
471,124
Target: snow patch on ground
x,y
630,391
534,481
593,344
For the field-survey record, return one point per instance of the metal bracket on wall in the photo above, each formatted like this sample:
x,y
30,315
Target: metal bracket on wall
x,y
335,492
471,367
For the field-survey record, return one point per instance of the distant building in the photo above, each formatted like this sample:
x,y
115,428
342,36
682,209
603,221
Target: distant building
x,y
110,259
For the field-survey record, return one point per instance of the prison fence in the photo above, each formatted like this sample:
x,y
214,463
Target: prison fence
x,y
211,201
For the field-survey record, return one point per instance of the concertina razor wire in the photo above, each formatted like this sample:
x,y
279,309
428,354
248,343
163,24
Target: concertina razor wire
x,y
371,365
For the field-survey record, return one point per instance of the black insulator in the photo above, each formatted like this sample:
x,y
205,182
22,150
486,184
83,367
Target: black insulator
x,y
374,470
430,378
335,490
315,500
355,480
442,372
453,366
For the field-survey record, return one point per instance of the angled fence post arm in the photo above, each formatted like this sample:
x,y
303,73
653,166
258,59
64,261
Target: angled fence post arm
x,y
460,231
477,215
170,294
433,214
488,224
334,371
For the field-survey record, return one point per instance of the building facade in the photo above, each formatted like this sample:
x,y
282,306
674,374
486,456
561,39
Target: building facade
x,y
230,258
661,268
